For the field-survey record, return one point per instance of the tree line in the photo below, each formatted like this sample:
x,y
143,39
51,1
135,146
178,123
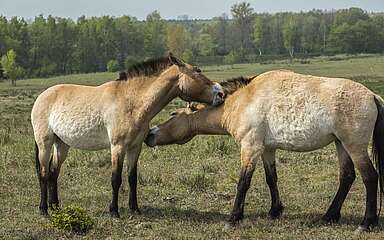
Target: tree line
x,y
51,45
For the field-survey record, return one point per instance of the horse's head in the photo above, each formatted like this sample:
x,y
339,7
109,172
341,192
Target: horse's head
x,y
195,86
177,129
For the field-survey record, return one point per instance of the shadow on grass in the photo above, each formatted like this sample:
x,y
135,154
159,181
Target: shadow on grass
x,y
313,220
308,220
153,213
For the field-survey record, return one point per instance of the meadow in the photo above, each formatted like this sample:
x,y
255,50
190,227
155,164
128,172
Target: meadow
x,y
184,191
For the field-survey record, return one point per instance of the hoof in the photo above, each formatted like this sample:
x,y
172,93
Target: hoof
x,y
54,206
44,212
234,220
115,214
135,211
329,219
276,212
361,230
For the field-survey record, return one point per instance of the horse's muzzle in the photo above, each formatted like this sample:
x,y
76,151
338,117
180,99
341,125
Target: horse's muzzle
x,y
219,95
150,140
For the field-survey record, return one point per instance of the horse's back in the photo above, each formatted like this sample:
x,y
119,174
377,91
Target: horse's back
x,y
303,112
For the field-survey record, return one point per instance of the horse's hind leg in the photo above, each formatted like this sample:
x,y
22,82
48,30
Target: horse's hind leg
x,y
346,178
60,151
271,178
360,158
44,153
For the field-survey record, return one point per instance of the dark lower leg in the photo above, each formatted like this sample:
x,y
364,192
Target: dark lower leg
x,y
370,216
271,178
346,178
53,198
43,195
132,180
116,182
370,179
242,188
333,212
276,205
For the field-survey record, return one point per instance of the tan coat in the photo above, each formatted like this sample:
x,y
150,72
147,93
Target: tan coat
x,y
290,111
115,115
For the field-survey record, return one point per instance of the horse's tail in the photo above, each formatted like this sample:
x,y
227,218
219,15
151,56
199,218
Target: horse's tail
x,y
378,146
37,161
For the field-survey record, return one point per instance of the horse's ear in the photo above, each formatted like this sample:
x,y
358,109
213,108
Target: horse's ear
x,y
174,60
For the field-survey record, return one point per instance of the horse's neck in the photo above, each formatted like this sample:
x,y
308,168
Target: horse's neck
x,y
208,121
156,95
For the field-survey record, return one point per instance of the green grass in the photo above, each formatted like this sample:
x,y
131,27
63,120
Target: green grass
x,y
184,191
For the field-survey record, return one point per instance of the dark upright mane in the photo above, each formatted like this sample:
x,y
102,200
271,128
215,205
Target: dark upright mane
x,y
232,85
150,67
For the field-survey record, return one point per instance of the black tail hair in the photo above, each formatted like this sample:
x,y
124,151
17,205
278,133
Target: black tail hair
x,y
378,147
37,162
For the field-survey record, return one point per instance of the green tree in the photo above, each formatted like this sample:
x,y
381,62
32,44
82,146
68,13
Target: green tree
x,y
176,39
113,66
155,35
130,60
262,34
10,67
310,35
188,56
205,45
291,35
221,33
243,17
130,40
232,58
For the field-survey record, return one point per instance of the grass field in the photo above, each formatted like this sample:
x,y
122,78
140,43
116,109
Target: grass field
x,y
184,191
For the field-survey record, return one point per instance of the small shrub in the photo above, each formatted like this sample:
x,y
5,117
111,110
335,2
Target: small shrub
x,y
74,219
112,66
231,58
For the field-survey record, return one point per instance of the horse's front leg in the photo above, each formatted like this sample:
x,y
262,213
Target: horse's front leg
x,y
117,158
132,158
249,155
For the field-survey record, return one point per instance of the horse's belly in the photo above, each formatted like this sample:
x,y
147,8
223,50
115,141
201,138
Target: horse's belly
x,y
80,131
300,131
300,141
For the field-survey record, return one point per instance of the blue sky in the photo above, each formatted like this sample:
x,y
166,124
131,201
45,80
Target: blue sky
x,y
169,9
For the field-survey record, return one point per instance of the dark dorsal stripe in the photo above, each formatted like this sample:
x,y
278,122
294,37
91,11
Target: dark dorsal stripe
x,y
150,67
232,85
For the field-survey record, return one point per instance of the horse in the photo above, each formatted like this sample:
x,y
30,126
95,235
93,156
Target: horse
x,y
114,115
285,110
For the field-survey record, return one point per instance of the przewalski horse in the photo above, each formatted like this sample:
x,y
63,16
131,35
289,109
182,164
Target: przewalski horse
x,y
114,115
290,111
